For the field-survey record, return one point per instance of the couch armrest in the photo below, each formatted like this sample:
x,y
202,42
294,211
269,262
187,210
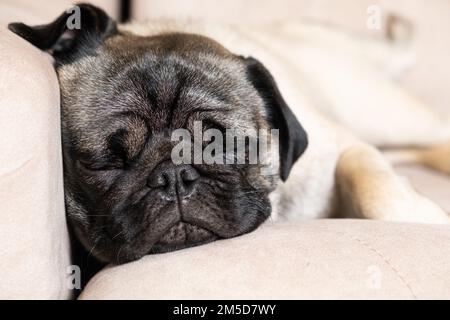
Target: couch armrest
x,y
322,259
35,249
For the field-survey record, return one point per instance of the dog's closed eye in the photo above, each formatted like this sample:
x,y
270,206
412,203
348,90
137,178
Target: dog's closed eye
x,y
122,148
92,166
116,146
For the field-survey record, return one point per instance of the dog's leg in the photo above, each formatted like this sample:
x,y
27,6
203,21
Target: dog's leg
x,y
370,188
435,157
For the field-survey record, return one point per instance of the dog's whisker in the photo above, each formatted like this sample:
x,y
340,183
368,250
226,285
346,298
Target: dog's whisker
x,y
118,254
97,215
118,234
94,246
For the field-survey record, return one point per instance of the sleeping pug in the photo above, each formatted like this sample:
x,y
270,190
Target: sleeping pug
x,y
125,89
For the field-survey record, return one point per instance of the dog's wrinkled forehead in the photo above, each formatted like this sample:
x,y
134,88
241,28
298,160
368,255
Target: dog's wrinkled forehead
x,y
157,83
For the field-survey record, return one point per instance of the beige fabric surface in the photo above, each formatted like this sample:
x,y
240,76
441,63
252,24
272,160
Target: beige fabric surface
x,y
317,259
34,250
39,12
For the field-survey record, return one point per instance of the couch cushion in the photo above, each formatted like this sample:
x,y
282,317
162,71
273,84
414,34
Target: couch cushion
x,y
35,251
317,259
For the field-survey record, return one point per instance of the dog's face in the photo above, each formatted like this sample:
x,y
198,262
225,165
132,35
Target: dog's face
x,y
122,96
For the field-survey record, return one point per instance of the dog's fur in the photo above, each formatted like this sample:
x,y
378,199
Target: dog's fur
x,y
123,88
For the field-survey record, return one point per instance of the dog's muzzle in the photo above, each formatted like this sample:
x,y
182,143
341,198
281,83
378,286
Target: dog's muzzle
x,y
173,182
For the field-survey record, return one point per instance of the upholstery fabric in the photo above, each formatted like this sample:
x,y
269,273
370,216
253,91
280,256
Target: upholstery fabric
x,y
321,259
35,248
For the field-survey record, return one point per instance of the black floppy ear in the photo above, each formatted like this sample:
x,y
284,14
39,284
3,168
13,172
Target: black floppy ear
x,y
73,27
293,138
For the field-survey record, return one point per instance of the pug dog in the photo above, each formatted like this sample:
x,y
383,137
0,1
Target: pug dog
x,y
124,89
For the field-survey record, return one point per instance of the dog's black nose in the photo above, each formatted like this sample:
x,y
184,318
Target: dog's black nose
x,y
173,180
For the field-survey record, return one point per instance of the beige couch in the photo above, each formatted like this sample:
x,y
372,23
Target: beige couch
x,y
317,259
322,259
